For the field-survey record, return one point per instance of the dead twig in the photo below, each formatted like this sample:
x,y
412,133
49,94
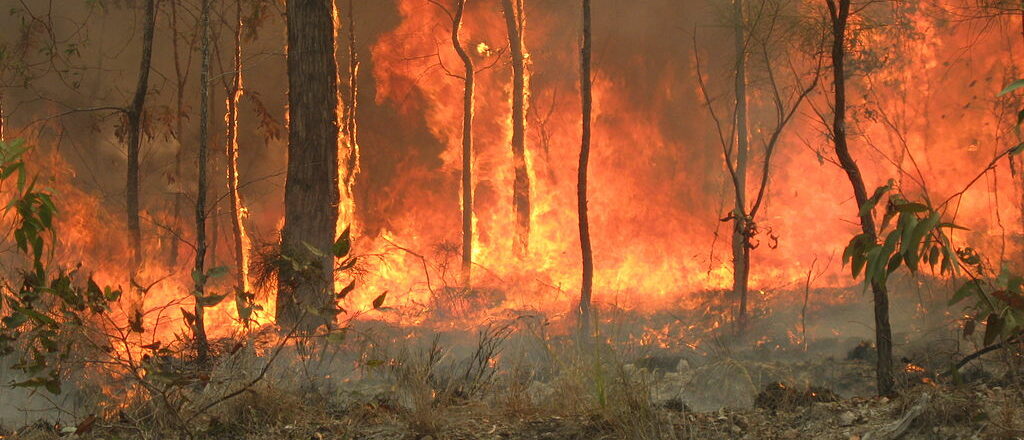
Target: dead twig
x,y
898,428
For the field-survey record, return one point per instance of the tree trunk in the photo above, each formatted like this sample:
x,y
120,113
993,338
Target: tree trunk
x,y
740,249
181,77
352,109
199,271
514,21
467,147
172,255
883,332
134,115
240,242
581,188
311,187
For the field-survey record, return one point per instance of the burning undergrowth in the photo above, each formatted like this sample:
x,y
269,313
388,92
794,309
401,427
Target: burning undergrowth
x,y
427,337
526,374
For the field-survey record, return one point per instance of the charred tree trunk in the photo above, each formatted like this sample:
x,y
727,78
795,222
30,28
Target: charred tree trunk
x,y
352,108
311,188
514,21
840,14
199,271
179,117
238,236
134,116
581,187
740,248
467,146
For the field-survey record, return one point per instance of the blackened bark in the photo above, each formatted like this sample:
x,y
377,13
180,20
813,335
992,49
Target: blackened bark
x,y
181,77
134,116
740,248
352,107
238,236
467,146
311,188
581,188
514,20
199,271
840,14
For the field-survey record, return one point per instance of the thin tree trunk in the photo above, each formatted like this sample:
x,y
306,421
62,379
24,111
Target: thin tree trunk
x,y
202,346
311,188
134,115
2,138
740,249
180,77
467,146
514,21
239,240
840,14
1020,169
352,108
581,188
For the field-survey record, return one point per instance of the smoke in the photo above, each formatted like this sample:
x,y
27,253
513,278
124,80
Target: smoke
x,y
658,184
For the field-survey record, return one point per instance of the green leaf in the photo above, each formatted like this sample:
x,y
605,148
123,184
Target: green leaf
x,y
856,247
857,265
894,263
871,272
210,300
111,294
379,301
217,272
951,226
911,208
910,255
337,337
346,290
190,318
869,204
993,328
950,262
38,317
1019,148
14,320
1012,86
347,264
343,245
52,385
969,288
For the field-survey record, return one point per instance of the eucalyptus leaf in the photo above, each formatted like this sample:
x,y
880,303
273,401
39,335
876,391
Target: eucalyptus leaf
x,y
1012,86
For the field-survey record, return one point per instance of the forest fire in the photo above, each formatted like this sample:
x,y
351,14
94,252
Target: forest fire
x,y
373,174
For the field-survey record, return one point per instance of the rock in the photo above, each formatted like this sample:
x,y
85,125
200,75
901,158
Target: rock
x,y
661,363
847,418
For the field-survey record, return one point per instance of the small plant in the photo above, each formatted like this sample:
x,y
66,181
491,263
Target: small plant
x,y
43,316
916,238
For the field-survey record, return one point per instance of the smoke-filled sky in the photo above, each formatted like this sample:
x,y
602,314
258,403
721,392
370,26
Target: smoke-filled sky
x,y
923,100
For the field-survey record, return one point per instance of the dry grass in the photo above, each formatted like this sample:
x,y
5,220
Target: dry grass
x,y
513,381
